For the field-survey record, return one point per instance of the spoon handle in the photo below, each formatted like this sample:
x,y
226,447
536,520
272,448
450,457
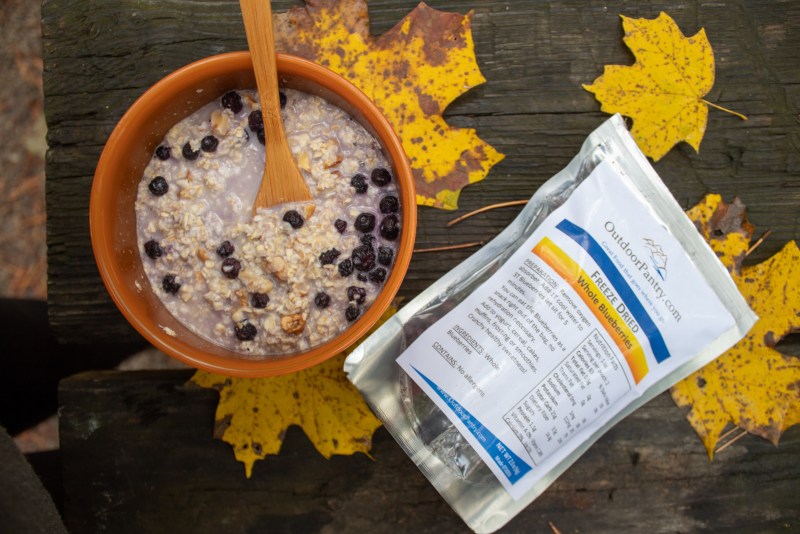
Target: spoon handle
x,y
257,16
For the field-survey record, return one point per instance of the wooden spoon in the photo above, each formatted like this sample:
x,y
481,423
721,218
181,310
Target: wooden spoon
x,y
282,180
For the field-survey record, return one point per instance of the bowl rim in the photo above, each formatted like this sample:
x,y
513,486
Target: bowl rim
x,y
102,240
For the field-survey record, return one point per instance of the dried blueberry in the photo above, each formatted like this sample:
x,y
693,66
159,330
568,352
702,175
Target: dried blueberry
x,y
163,152
385,255
352,313
209,143
340,225
169,284
158,186
245,331
188,153
259,300
363,258
153,249
356,294
390,227
365,222
282,98
322,300
294,219
368,239
225,249
345,268
361,277
261,138
378,275
232,101
389,204
381,176
329,256
231,267
359,183
255,120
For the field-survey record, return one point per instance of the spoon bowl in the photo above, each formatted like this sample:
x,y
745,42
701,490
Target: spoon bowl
x,y
282,180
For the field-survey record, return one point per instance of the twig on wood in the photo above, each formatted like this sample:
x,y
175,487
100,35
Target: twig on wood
x,y
449,247
553,527
731,442
487,208
713,105
728,433
757,243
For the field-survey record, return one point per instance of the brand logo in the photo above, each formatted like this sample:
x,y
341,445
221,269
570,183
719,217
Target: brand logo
x,y
658,259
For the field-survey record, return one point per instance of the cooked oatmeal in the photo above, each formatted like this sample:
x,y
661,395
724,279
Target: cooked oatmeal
x,y
280,281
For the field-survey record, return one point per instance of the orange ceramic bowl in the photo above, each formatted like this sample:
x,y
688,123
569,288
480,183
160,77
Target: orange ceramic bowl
x,y
112,219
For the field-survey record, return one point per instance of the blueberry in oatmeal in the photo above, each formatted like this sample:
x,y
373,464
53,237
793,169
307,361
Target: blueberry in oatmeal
x,y
153,249
365,222
283,287
389,204
378,275
163,153
245,331
209,143
390,227
359,183
294,219
363,258
189,153
232,101
255,120
231,267
345,268
259,300
322,300
169,284
385,255
158,186
351,313
225,249
381,177
329,256
356,294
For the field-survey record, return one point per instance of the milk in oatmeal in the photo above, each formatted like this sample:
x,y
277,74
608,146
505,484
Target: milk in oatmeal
x,y
280,281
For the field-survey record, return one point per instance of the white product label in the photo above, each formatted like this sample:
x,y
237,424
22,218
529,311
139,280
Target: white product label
x,y
597,304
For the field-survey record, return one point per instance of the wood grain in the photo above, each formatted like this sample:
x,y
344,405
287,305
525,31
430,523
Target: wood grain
x,y
139,456
100,56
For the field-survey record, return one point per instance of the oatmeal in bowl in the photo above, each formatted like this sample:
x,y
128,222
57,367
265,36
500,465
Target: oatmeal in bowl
x,y
213,284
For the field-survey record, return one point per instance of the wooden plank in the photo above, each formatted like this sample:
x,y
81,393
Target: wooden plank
x,y
99,56
139,456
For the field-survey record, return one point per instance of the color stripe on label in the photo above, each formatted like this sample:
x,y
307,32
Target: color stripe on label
x,y
598,304
588,243
512,466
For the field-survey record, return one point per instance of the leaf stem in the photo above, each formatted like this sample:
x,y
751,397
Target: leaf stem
x,y
487,208
449,247
713,105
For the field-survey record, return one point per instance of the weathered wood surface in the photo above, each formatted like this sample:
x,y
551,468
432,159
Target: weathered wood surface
x,y
139,456
100,56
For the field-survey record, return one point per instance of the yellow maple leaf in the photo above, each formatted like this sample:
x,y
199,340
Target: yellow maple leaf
x,y
254,413
663,90
412,73
752,385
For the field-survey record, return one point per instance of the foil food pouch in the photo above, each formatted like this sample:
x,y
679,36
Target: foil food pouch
x,y
598,297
